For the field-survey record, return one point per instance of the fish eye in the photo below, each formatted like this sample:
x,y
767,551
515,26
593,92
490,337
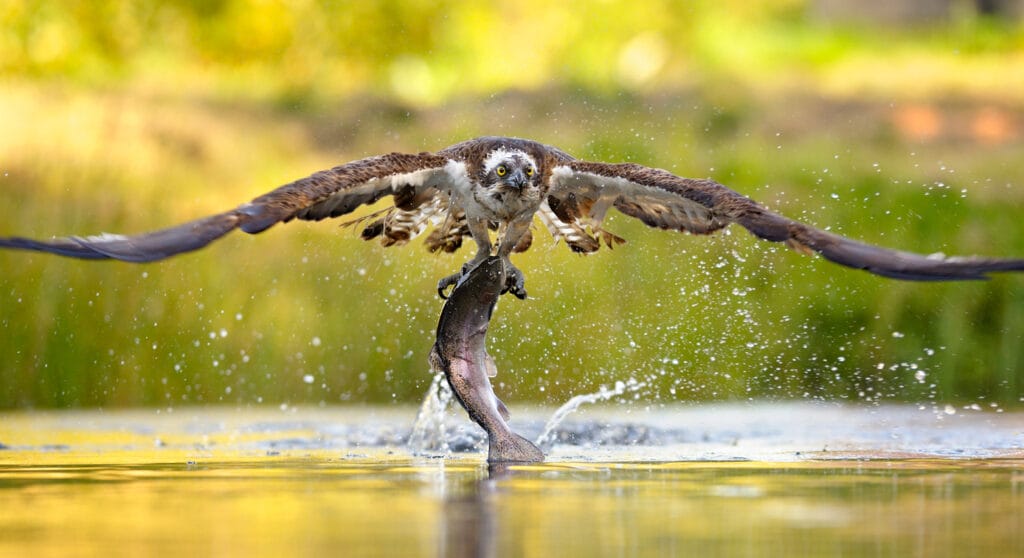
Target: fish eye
x,y
529,171
501,170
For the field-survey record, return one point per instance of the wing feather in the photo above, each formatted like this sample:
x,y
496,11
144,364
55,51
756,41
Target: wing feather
x,y
663,200
564,226
447,237
339,191
328,193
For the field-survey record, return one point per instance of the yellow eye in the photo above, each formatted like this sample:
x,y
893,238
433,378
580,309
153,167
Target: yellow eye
x,y
529,171
501,170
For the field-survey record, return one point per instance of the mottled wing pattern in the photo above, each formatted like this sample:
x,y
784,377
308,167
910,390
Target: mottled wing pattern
x,y
582,192
415,181
447,236
400,223
570,227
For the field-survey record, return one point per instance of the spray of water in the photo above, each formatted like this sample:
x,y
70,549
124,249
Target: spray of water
x,y
546,439
429,438
428,435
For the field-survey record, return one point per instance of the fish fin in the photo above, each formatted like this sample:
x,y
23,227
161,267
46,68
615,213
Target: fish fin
x,y
502,409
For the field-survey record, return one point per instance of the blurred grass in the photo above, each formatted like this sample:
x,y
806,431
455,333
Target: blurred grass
x,y
123,117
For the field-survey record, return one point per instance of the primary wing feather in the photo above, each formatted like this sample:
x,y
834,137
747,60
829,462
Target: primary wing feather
x,y
329,193
583,191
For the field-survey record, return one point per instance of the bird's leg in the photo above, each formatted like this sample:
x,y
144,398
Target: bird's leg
x,y
478,230
515,282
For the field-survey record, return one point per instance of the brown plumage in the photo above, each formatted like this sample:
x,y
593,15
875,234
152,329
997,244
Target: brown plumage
x,y
494,183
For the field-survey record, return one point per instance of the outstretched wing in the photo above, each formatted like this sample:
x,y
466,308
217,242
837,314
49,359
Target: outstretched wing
x,y
412,179
582,192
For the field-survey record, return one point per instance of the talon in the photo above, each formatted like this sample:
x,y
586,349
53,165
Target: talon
x,y
515,283
446,282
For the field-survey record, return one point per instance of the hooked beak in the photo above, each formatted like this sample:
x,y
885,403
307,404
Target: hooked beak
x,y
518,180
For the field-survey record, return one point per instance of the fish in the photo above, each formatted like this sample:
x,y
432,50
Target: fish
x,y
460,352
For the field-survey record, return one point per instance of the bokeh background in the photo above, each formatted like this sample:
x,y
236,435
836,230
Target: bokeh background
x,y
895,122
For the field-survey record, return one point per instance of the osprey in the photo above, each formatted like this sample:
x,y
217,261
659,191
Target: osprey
x,y
501,184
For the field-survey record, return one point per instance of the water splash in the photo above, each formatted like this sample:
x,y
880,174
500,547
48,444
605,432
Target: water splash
x,y
428,435
546,439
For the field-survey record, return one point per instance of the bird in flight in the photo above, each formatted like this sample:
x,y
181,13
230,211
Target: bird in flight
x,y
500,185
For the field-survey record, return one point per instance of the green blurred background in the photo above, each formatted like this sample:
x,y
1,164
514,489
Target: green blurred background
x,y
896,123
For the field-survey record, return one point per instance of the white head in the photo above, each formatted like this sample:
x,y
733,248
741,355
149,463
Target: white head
x,y
506,169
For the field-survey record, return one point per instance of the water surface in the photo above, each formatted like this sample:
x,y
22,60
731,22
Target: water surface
x,y
738,479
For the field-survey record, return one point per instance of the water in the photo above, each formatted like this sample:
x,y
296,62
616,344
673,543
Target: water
x,y
429,436
547,439
766,479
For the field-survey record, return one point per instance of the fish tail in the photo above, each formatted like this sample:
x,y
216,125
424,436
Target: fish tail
x,y
512,448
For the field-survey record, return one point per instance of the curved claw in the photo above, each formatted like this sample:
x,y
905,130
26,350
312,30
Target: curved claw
x,y
445,283
515,283
518,292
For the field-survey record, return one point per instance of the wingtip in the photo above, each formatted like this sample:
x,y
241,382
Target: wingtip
x,y
60,246
141,248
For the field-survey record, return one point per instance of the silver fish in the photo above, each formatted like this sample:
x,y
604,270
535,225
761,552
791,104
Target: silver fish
x,y
460,352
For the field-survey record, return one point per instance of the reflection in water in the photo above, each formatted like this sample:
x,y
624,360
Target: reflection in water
x,y
468,525
287,484
901,508
407,507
